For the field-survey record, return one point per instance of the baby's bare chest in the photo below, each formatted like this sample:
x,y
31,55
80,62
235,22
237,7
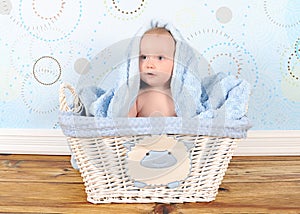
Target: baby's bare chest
x,y
155,101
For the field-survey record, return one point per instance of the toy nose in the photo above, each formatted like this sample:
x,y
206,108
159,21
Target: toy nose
x,y
158,159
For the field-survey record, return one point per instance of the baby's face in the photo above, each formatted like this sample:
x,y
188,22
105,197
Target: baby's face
x,y
156,59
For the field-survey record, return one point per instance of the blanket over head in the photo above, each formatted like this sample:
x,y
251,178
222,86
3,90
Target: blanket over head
x,y
195,93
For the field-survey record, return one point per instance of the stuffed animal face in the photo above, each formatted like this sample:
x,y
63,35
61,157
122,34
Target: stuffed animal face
x,y
158,160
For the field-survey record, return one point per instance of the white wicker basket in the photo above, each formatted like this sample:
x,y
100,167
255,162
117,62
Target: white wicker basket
x,y
104,164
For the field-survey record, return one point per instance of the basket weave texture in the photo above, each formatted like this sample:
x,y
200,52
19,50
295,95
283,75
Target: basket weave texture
x,y
104,164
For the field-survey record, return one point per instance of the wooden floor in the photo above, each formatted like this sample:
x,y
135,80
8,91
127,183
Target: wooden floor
x,y
48,184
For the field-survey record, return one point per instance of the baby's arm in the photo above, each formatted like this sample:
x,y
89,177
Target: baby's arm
x,y
133,110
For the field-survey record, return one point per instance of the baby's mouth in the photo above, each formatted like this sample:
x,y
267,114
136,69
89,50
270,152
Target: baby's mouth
x,y
150,73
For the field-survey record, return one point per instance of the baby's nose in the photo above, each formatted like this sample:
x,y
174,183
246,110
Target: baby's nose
x,y
150,63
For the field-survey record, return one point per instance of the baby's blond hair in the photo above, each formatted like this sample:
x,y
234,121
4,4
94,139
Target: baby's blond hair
x,y
159,31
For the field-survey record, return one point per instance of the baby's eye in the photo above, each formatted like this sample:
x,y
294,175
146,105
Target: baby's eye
x,y
143,57
160,57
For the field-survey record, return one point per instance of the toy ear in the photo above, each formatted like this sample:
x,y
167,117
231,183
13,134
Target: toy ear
x,y
188,145
128,145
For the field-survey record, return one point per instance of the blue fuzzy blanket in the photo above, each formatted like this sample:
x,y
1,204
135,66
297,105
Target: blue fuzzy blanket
x,y
218,98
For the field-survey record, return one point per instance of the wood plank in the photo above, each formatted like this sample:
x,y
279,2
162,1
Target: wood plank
x,y
40,158
48,184
263,170
37,169
280,196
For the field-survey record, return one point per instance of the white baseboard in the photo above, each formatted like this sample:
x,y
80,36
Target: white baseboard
x,y
53,142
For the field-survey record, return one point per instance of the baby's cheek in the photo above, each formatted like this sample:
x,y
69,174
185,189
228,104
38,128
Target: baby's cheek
x,y
141,67
165,76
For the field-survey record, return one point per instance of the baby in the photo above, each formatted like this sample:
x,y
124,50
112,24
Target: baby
x,y
156,61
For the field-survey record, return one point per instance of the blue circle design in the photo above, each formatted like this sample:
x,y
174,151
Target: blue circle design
x,y
251,59
290,19
297,48
50,40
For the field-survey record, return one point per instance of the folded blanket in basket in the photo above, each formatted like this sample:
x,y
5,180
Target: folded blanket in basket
x,y
194,95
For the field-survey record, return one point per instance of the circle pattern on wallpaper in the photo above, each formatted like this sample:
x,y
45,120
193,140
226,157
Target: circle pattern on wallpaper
x,y
125,10
232,63
5,7
290,71
39,98
46,70
203,38
100,66
282,116
36,18
245,66
292,107
225,55
264,94
82,66
271,118
289,91
297,48
78,50
224,15
62,51
6,50
73,52
20,58
284,13
293,66
13,114
56,126
288,66
48,11
9,84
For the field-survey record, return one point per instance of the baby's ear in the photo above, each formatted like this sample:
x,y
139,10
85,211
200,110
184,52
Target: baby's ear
x,y
128,145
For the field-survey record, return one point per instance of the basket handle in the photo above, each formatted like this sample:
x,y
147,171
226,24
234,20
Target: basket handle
x,y
63,99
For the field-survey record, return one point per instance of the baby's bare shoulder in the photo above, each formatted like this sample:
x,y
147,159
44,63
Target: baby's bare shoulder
x,y
154,92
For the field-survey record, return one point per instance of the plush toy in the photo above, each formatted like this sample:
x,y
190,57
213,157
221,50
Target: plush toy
x,y
158,160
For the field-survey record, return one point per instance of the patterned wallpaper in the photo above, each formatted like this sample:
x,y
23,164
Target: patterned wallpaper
x,y
45,43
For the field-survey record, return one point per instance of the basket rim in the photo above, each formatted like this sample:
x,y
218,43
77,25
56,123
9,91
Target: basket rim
x,y
75,125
